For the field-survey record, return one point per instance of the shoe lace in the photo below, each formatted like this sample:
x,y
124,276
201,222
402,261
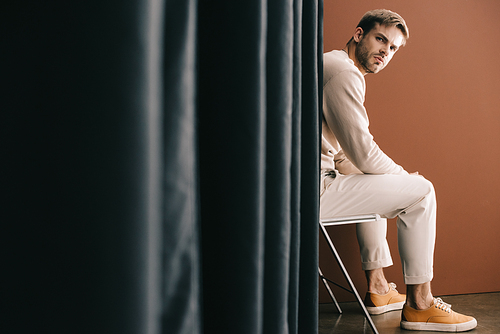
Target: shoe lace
x,y
392,286
438,302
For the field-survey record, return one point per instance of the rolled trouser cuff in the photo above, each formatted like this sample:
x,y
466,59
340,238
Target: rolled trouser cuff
x,y
413,280
377,264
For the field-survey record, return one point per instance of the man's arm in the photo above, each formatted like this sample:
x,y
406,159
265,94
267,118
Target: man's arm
x,y
346,117
344,165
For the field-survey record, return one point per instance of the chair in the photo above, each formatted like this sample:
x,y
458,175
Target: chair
x,y
323,223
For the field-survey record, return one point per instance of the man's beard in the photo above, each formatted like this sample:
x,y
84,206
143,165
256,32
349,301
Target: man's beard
x,y
363,56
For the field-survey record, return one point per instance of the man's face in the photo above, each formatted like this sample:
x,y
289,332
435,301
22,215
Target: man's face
x,y
376,48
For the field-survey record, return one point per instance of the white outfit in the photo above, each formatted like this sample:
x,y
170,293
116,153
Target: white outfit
x,y
368,181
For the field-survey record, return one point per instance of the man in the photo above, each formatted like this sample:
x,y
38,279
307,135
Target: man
x,y
359,178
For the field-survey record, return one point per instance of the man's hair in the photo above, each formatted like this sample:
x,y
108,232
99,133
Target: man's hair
x,y
383,17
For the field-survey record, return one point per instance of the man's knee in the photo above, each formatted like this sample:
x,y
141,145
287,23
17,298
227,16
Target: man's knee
x,y
424,186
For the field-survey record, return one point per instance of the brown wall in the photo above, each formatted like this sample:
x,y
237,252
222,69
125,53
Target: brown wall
x,y
436,109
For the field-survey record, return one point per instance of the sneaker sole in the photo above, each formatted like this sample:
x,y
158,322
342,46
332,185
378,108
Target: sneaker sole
x,y
426,326
374,310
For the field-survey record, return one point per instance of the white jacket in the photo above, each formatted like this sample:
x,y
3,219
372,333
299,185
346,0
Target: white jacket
x,y
347,144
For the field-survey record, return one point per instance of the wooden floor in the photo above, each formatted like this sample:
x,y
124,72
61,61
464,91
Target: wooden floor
x,y
484,307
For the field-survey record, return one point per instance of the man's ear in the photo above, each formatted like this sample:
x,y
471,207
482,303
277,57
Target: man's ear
x,y
358,34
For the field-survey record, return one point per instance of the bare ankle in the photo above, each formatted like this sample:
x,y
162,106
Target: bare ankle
x,y
419,296
379,289
376,281
419,305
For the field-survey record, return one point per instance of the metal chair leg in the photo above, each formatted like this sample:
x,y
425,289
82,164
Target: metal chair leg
x,y
348,279
330,292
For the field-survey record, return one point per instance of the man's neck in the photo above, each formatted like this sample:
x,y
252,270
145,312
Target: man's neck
x,y
350,49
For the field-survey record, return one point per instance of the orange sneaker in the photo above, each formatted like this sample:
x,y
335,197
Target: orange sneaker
x,y
439,317
378,304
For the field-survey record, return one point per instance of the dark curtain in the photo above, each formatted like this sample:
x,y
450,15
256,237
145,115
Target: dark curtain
x,y
160,166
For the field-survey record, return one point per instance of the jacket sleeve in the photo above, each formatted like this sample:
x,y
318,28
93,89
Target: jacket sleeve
x,y
346,116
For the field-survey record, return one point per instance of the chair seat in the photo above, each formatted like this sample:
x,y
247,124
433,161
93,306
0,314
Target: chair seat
x,y
350,220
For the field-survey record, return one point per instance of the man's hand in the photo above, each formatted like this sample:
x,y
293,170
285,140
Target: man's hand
x,y
344,165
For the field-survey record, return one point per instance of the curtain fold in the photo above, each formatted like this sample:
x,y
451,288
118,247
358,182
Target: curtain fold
x,y
278,237
312,83
231,115
179,281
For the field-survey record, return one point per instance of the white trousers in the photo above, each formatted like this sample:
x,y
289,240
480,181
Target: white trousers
x,y
409,197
